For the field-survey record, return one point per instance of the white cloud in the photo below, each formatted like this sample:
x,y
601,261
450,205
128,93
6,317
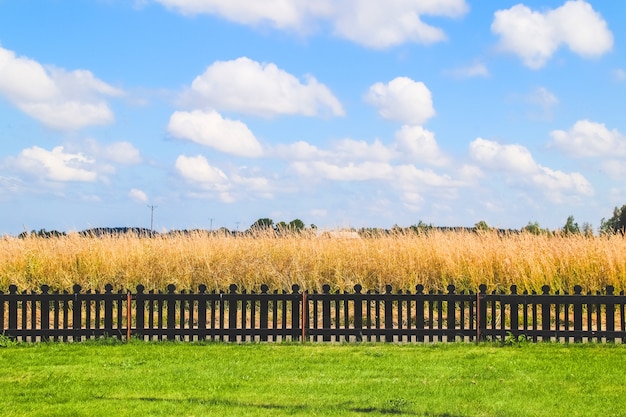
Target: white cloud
x,y
57,98
209,128
512,158
56,165
138,195
247,86
350,171
419,145
517,163
372,23
589,139
197,169
379,24
402,100
535,36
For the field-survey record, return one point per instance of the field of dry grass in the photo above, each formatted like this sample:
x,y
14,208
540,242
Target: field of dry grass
x,y
434,259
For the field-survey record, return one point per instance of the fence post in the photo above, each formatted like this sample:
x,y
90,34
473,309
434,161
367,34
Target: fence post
x,y
419,312
140,306
108,310
12,308
451,318
202,330
545,315
481,313
326,313
610,312
296,316
232,313
76,313
514,305
45,310
578,313
358,312
263,310
388,314
171,312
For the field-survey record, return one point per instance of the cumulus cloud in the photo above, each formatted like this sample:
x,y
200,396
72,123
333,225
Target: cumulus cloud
x,y
263,89
197,169
371,23
199,173
59,99
589,139
210,129
517,163
535,36
419,145
56,165
402,100
379,24
137,195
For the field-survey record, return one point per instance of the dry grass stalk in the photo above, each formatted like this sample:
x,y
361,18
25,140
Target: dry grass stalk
x,y
434,259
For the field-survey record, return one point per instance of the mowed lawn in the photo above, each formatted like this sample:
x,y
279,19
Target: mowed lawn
x,y
205,379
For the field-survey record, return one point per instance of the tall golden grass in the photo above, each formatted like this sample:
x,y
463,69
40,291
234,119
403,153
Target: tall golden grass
x,y
403,260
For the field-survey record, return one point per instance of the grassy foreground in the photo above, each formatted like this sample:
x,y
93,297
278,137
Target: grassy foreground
x,y
176,379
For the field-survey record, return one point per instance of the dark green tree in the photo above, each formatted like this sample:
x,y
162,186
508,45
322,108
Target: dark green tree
x,y
482,225
571,227
534,228
296,225
262,224
617,223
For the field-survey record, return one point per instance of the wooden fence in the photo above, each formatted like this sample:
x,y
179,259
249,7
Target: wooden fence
x,y
391,316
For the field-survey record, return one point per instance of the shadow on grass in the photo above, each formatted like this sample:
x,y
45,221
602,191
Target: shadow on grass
x,y
391,410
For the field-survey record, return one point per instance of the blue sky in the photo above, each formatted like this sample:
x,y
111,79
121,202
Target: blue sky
x,y
342,113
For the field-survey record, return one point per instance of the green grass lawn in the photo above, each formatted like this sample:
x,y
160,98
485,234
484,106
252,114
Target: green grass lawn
x,y
193,379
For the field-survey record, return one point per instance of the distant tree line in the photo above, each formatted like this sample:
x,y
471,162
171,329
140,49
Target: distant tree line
x,y
614,225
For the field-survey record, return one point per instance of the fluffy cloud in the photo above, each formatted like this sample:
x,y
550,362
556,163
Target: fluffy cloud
x,y
209,128
402,100
517,163
197,169
589,139
138,195
56,165
57,98
419,145
378,24
371,23
247,86
535,36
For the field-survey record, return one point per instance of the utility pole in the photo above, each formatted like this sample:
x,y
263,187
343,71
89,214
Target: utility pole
x,y
211,219
151,217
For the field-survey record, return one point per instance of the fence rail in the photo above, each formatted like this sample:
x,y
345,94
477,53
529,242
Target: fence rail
x,y
237,316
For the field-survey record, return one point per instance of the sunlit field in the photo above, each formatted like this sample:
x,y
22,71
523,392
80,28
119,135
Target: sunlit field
x,y
403,260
